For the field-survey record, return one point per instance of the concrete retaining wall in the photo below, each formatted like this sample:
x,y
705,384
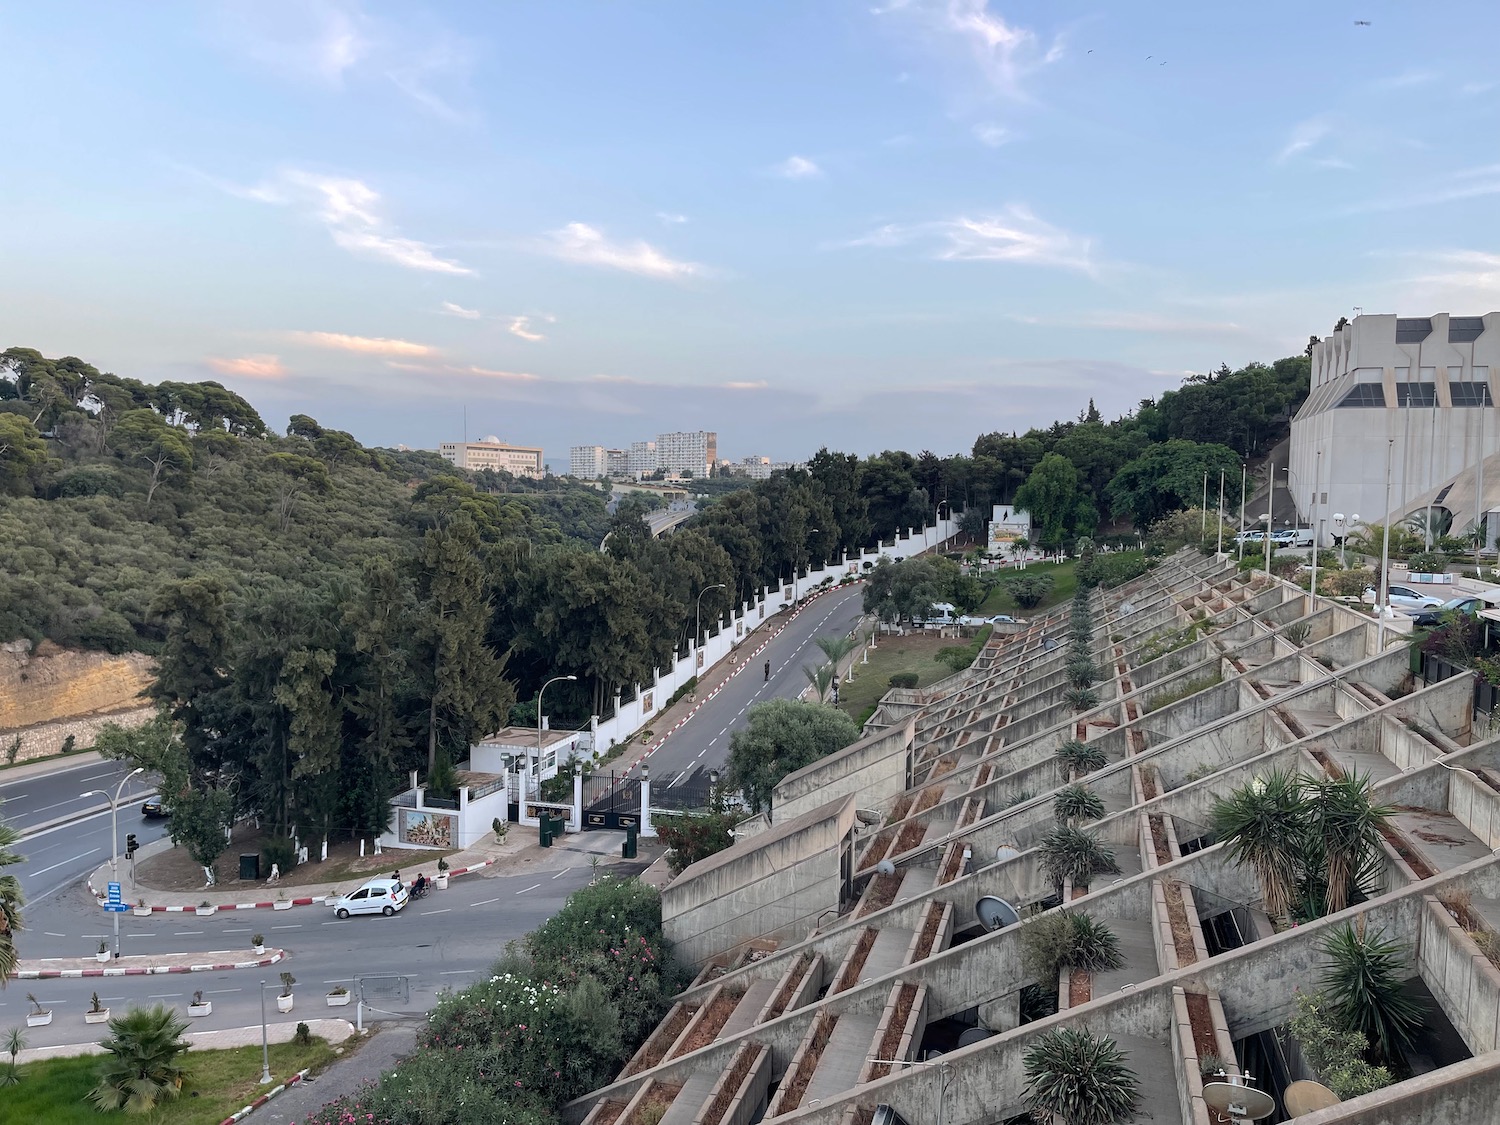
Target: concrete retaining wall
x,y
873,771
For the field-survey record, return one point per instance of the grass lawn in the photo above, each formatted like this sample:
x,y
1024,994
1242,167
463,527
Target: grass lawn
x,y
1064,586
53,1092
912,653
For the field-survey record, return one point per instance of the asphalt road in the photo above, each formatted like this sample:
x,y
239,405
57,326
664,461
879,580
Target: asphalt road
x,y
702,743
34,799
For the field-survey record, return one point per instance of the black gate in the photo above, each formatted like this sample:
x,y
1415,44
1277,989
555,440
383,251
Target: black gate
x,y
611,800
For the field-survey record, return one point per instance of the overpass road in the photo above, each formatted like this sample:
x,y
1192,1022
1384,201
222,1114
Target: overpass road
x,y
702,743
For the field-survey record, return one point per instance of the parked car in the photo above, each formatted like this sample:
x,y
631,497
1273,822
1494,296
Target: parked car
x,y
1250,537
155,810
1002,619
1404,597
1464,603
1292,537
378,896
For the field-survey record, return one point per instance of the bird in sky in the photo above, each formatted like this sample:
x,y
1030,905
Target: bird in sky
x,y
1361,23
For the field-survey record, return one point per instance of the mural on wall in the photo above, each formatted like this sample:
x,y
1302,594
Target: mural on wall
x,y
739,629
700,659
419,826
646,701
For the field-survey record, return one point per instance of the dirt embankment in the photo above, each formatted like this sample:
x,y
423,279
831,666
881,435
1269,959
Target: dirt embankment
x,y
49,693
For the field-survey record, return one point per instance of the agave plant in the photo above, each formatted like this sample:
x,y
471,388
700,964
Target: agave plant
x,y
140,1070
1070,853
1082,671
1364,981
1079,1078
1262,823
1080,758
1096,949
1076,802
1081,698
1346,828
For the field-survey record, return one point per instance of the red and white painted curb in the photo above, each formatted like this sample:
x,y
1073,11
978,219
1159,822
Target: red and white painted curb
x,y
145,970
264,1098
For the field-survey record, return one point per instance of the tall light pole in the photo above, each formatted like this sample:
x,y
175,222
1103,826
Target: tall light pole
x,y
549,683
1244,468
114,838
265,1047
1203,523
698,627
1385,550
1265,545
1219,550
1317,526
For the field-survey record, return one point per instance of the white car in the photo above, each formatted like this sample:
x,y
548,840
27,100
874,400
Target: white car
x,y
378,896
1404,597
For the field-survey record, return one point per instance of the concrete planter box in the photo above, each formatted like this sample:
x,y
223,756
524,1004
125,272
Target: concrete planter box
x,y
39,1019
102,958
284,1003
206,911
441,880
282,904
141,911
338,999
259,950
204,1009
101,1016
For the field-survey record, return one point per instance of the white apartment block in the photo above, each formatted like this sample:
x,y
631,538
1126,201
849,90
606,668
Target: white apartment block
x,y
640,459
588,462
687,452
616,462
1414,393
492,453
762,468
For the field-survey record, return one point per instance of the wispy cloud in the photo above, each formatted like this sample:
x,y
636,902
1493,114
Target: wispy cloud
x,y
993,135
521,326
1014,234
754,385
1305,136
670,219
798,168
250,366
1146,323
579,242
1005,53
450,309
1469,183
351,211
361,345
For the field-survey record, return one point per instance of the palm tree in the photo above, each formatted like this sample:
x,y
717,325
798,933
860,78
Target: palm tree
x,y
1365,983
835,647
10,902
141,1070
1346,828
1261,823
1070,853
820,678
1076,802
1079,1078
1080,758
15,1043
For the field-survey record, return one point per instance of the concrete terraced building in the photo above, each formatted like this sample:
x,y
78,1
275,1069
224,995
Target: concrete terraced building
x,y
841,964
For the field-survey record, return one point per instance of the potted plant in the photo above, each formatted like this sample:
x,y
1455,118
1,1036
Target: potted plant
x,y
282,902
338,996
102,954
205,909
442,874
258,942
96,1013
141,910
41,1016
199,1006
284,1000
501,828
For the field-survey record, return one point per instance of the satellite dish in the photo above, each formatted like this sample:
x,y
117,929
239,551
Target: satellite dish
x,y
885,1115
1303,1097
1048,644
885,867
1005,852
930,1055
1127,607
995,913
1238,1101
972,1035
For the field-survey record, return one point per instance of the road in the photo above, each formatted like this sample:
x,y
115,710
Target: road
x,y
35,799
702,743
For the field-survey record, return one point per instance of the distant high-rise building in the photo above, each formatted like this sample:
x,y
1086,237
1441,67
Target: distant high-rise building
x,y
616,463
588,462
492,453
690,452
642,459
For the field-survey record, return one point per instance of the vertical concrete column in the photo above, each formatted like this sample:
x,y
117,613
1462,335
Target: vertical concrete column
x,y
647,829
578,801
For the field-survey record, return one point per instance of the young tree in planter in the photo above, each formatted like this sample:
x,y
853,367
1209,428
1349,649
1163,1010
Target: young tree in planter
x,y
1078,1078
1081,699
1070,853
1069,939
1262,824
141,1069
1076,802
1365,983
1080,758
1345,828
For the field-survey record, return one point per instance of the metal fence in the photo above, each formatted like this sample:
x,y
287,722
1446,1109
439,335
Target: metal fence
x,y
690,796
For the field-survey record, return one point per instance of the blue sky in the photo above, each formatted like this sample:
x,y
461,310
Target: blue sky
x,y
798,224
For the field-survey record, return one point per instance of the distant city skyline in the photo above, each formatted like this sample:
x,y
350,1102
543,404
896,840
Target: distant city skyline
x,y
897,225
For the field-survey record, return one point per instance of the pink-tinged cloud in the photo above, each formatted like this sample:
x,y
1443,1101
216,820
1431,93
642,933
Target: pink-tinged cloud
x,y
362,345
250,366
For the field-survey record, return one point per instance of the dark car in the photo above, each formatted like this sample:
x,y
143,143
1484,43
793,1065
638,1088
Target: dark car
x,y
1467,603
155,810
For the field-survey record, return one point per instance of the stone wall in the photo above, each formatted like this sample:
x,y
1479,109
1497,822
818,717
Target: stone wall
x,y
48,693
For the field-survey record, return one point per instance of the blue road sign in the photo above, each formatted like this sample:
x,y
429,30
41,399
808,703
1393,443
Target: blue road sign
x,y
113,896
116,907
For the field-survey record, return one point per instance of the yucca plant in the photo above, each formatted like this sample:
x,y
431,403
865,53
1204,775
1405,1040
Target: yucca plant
x,y
141,1070
1081,699
1346,827
1081,758
1076,802
1096,949
1069,939
1079,1078
1070,853
1082,672
1262,823
1364,983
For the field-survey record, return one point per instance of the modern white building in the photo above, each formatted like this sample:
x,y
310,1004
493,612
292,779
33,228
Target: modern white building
x,y
687,452
763,468
492,453
617,462
640,458
1405,399
588,462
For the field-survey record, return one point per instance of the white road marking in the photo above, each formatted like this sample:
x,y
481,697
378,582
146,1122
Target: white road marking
x,y
561,873
187,933
484,902
523,890
424,913
246,930
163,996
222,991
456,972
64,863
298,926
49,933
339,922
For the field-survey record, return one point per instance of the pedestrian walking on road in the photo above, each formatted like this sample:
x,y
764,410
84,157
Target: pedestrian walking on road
x,y
768,671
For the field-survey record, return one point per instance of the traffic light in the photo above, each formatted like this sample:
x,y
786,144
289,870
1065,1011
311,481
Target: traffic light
x,y
130,845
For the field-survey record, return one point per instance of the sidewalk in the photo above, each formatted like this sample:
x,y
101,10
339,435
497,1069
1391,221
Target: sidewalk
x,y
215,961
335,1031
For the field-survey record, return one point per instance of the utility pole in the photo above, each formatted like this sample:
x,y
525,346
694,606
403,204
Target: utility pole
x,y
114,839
1385,551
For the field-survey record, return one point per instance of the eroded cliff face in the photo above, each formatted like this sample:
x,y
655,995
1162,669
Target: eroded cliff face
x,y
49,693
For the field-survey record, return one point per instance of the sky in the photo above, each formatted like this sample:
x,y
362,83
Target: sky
x,y
798,224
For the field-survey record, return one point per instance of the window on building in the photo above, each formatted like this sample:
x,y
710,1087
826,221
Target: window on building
x,y
1413,330
1416,394
1363,394
1465,329
1470,394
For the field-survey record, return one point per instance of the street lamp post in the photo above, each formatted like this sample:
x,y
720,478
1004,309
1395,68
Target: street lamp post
x,y
1266,543
114,838
1317,528
698,627
1385,552
549,683
1244,469
265,1047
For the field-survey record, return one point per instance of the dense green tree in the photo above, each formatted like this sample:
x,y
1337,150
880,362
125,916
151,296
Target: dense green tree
x,y
901,591
1167,478
780,737
142,435
838,474
1050,495
22,450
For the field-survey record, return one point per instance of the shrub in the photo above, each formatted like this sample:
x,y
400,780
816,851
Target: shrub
x,y
1365,985
1082,672
1081,699
1076,802
1069,853
904,680
1029,590
1351,583
1081,758
1335,1051
1079,1078
1069,939
1428,562
141,1070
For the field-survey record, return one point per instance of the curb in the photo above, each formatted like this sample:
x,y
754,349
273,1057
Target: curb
x,y
144,970
240,1115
